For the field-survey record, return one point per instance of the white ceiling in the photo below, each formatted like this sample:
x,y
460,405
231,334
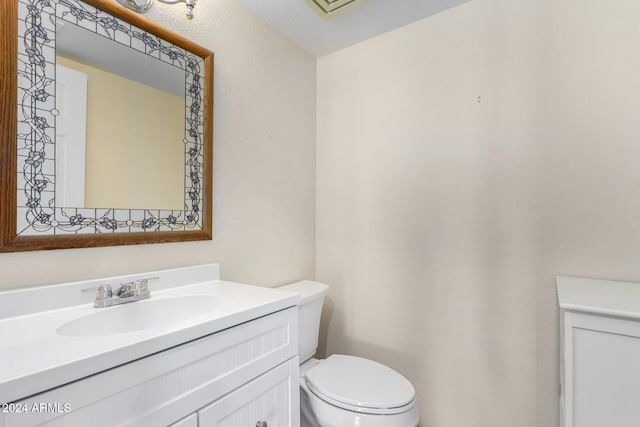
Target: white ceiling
x,y
320,36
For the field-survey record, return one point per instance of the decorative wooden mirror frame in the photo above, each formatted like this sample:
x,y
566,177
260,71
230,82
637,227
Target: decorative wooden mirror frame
x,y
50,227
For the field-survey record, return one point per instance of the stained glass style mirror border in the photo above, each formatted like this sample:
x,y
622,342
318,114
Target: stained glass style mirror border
x,y
30,218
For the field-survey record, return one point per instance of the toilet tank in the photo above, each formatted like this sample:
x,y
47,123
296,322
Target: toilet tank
x,y
309,312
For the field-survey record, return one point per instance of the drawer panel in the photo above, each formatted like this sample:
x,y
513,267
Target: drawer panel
x,y
163,388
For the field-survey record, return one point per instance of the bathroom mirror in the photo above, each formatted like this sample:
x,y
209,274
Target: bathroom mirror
x,y
93,171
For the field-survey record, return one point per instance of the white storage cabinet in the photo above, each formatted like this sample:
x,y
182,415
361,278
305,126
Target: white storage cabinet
x,y
599,353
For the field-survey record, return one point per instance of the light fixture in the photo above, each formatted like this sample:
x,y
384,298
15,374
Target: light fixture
x,y
142,6
330,8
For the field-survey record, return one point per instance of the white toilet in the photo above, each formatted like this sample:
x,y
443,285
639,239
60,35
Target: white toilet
x,y
345,391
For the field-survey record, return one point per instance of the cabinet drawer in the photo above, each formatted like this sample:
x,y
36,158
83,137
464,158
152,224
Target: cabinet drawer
x,y
165,387
272,398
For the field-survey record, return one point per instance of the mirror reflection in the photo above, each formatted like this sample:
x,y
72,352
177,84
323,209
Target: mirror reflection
x,y
120,130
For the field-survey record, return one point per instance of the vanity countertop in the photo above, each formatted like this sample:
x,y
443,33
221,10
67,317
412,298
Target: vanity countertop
x,y
35,357
605,297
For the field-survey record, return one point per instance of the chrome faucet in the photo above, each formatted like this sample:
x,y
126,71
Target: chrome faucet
x,y
127,292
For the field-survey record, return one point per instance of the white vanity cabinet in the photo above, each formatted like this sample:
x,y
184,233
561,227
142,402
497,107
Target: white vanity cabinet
x,y
599,353
239,376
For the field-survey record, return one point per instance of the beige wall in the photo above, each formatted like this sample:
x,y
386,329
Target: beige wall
x,y
462,162
264,164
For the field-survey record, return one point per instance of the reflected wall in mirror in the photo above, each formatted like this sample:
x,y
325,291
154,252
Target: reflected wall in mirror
x,y
89,138
111,134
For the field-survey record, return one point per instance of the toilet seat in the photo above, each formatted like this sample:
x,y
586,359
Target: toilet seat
x,y
360,385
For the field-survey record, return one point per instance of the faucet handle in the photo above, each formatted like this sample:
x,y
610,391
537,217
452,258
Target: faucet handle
x,y
143,284
102,291
103,294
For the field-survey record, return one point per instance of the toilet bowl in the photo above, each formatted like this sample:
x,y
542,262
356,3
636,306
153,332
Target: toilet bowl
x,y
342,390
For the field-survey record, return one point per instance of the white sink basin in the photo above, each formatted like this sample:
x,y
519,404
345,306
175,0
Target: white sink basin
x,y
135,316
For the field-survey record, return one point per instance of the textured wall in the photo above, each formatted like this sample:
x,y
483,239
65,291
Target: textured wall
x,y
264,164
463,161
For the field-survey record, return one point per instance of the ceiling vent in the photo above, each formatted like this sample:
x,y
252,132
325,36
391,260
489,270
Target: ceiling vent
x,y
330,8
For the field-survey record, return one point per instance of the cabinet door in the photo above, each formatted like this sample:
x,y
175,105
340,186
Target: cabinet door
x,y
602,372
271,400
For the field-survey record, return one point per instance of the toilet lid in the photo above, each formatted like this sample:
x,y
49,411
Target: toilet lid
x,y
360,384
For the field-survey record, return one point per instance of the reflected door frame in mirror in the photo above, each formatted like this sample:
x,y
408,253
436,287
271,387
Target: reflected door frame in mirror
x,y
30,220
